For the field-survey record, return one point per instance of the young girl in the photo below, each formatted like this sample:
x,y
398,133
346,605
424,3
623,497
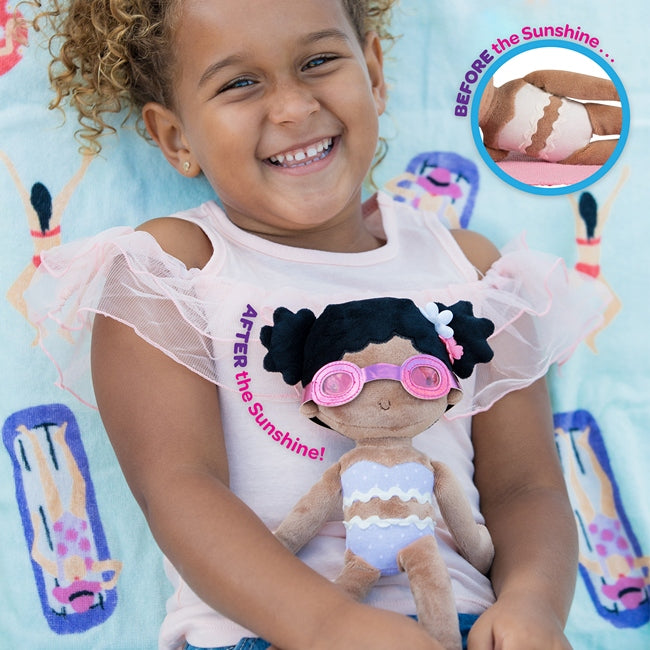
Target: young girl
x,y
277,104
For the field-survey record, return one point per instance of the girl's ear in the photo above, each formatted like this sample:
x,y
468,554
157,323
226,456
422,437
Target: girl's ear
x,y
375,63
166,131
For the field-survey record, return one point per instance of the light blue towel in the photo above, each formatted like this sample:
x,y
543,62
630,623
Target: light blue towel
x,y
601,396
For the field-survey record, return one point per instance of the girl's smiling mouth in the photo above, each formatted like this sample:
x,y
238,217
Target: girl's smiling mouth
x,y
304,156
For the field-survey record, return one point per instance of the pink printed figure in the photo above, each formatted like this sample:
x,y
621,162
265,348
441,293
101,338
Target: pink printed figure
x,y
589,223
44,216
68,554
13,36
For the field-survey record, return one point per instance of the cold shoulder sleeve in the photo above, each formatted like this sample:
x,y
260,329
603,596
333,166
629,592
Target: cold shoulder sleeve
x,y
123,274
541,309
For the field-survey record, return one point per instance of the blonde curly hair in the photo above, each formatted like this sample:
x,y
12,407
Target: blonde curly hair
x,y
110,56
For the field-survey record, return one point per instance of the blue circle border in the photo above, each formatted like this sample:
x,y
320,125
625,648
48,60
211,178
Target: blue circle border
x,y
551,191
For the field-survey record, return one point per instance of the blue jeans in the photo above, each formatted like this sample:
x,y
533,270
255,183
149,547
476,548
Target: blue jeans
x,y
465,622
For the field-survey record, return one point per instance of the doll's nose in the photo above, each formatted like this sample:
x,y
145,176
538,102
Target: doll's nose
x,y
384,404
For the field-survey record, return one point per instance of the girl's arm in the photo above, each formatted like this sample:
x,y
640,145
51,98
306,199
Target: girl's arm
x,y
163,421
527,512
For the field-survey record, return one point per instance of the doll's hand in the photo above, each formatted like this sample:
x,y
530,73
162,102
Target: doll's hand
x,y
518,622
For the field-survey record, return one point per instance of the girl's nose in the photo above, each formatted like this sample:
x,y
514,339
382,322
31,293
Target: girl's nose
x,y
291,102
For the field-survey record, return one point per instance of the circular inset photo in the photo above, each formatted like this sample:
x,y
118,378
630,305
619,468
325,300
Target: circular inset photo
x,y
550,117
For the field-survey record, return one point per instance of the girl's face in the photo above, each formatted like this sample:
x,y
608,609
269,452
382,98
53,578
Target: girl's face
x,y
278,103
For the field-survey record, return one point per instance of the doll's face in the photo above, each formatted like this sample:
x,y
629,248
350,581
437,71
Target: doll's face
x,y
383,409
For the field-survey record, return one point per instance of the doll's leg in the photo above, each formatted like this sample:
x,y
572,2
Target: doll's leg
x,y
431,587
605,119
573,84
595,153
357,576
497,154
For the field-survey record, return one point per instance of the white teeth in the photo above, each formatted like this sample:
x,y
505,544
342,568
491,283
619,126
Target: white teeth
x,y
301,155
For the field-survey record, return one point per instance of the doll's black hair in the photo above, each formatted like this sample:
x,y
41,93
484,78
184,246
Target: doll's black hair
x,y
300,344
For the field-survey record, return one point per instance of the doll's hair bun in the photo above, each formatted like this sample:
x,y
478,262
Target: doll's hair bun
x,y
471,332
285,342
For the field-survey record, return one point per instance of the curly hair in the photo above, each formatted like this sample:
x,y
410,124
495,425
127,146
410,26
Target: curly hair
x,y
110,56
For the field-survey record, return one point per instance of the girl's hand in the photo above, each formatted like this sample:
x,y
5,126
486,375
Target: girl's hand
x,y
518,622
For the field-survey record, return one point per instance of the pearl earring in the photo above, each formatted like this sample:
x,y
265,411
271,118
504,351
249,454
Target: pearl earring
x,y
186,166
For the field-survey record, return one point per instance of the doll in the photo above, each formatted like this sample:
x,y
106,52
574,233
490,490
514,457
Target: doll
x,y
534,116
380,371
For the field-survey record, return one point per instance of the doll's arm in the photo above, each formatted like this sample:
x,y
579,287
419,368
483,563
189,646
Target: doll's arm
x,y
311,511
472,539
573,84
524,500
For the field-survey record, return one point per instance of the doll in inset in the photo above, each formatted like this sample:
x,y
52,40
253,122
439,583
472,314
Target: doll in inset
x,y
381,371
538,116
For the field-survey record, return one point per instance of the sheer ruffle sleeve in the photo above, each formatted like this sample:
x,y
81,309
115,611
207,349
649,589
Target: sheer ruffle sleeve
x,y
541,309
110,274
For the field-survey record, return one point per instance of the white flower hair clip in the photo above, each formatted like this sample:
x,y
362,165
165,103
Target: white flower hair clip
x,y
441,320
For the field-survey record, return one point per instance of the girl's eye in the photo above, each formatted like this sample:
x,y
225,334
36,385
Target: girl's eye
x,y
318,61
243,82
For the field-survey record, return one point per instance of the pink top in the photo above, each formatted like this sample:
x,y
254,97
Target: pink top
x,y
209,320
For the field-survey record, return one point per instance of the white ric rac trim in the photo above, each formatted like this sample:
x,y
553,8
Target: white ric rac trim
x,y
411,520
385,495
517,134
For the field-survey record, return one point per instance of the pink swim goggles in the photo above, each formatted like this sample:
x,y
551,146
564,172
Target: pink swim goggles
x,y
339,382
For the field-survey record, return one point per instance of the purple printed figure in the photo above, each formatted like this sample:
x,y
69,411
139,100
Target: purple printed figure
x,y
75,569
611,563
75,575
441,182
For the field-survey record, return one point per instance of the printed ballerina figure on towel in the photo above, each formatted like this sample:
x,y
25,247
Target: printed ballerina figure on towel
x,y
589,223
608,551
44,216
69,555
13,36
